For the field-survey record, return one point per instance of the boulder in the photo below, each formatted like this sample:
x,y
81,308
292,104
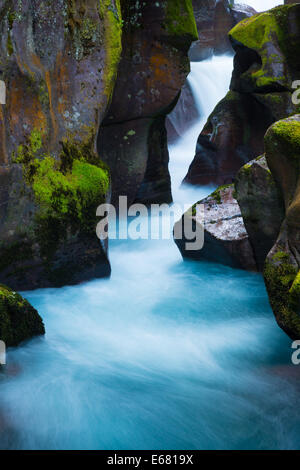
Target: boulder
x,y
59,65
266,46
225,238
282,268
18,319
265,65
261,206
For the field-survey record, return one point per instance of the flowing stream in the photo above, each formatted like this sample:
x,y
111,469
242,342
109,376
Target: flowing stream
x,y
165,355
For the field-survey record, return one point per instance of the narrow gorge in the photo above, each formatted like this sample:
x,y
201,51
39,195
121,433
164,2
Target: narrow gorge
x,y
133,341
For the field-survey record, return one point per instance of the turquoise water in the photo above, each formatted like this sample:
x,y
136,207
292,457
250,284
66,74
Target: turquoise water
x,y
165,355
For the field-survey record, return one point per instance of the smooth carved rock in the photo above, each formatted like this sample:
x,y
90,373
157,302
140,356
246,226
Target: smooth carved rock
x,y
282,268
152,71
232,136
261,206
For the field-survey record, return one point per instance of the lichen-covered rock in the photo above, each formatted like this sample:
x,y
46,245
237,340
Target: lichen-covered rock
x,y
265,65
153,68
282,267
261,206
18,319
225,238
59,65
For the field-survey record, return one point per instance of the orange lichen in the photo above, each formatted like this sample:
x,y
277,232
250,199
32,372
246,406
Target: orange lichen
x,y
160,72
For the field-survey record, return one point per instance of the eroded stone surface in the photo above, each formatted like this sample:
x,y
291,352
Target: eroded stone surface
x,y
225,238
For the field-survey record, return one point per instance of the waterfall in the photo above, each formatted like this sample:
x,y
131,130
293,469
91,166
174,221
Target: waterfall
x,y
209,81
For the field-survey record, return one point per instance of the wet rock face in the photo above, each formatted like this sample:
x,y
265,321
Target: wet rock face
x,y
282,266
59,65
18,319
153,68
214,20
261,206
265,65
240,11
232,136
225,238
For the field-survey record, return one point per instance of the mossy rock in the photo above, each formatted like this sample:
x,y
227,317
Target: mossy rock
x,y
180,20
282,143
18,319
274,39
67,190
61,198
271,26
282,267
281,276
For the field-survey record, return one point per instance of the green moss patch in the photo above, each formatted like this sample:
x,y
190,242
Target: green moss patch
x,y
67,190
288,131
217,194
180,20
283,284
273,26
113,24
284,136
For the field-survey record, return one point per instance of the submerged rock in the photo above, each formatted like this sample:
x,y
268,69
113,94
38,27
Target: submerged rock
x,y
18,319
266,64
261,206
225,238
